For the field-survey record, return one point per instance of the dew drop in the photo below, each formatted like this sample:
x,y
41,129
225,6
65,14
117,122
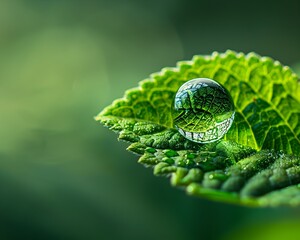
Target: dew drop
x,y
203,110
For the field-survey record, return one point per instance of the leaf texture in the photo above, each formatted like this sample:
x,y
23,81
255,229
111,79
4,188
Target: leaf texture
x,y
256,163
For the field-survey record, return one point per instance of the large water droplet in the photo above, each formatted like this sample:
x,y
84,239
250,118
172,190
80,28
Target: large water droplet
x,y
203,110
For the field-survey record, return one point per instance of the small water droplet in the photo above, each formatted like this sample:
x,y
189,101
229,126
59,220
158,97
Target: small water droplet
x,y
281,154
203,110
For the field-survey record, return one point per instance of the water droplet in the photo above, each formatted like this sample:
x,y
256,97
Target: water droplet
x,y
203,110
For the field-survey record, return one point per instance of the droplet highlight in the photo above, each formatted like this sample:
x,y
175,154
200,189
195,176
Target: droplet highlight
x,y
203,110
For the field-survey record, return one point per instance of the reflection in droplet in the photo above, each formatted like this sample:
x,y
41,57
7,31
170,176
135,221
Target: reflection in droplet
x,y
203,110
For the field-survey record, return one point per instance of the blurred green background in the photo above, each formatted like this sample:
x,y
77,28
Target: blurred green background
x,y
62,175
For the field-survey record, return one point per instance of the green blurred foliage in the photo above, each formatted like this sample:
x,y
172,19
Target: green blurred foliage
x,y
62,176
276,230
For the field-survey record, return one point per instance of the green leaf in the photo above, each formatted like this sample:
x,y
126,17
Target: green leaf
x,y
256,163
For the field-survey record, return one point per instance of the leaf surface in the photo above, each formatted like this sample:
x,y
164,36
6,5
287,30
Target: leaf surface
x,y
256,163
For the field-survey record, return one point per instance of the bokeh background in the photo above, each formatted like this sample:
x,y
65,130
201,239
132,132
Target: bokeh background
x,y
64,176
